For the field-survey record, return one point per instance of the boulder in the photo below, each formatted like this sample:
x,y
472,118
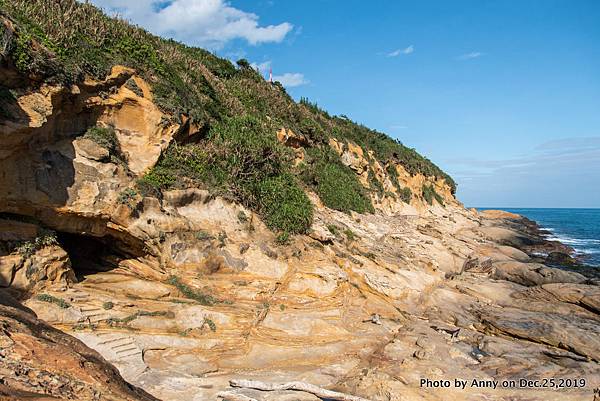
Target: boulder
x,y
49,265
530,274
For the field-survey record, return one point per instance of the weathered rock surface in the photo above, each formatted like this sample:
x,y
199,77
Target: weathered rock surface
x,y
39,362
183,296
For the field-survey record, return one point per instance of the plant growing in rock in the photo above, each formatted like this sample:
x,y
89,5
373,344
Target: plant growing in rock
x,y
406,195
429,194
127,197
103,136
335,183
350,236
203,235
282,238
45,238
242,218
210,323
333,229
61,303
192,293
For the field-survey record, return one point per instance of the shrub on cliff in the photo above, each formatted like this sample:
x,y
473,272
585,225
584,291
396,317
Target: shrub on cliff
x,y
406,195
429,194
105,137
284,205
213,93
240,159
336,184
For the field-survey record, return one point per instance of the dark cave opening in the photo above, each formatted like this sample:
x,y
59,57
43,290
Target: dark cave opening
x,y
89,254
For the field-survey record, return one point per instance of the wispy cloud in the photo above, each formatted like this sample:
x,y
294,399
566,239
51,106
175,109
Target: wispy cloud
x,y
469,56
207,23
397,52
562,172
560,153
291,79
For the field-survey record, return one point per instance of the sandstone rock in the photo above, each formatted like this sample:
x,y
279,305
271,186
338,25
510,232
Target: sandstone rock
x,y
560,259
529,274
90,149
11,230
30,369
570,333
47,266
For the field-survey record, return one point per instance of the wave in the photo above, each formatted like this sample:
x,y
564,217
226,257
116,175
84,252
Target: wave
x,y
587,251
573,241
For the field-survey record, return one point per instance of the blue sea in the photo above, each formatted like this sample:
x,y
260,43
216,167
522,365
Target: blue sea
x,y
578,228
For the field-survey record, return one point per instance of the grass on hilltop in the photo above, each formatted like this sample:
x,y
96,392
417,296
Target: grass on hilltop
x,y
236,110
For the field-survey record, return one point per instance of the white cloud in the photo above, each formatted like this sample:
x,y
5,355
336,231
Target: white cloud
x,y
288,79
262,67
469,56
398,52
206,23
291,79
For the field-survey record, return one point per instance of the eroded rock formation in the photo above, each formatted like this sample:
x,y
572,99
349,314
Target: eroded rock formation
x,y
185,291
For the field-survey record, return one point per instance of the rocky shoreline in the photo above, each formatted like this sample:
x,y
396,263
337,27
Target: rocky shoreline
x,y
446,296
533,240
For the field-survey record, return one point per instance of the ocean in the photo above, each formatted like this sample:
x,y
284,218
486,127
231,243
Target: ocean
x,y
578,228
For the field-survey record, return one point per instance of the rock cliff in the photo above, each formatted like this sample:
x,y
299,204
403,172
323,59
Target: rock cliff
x,y
113,232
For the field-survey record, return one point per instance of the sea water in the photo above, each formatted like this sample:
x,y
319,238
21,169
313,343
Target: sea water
x,y
578,228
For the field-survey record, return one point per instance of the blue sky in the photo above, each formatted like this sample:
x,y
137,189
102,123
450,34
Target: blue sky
x,y
504,95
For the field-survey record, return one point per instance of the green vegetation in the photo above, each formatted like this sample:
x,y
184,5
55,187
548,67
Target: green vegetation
x,y
106,137
406,195
103,136
333,229
374,183
192,293
118,321
238,113
53,300
45,238
242,160
203,235
127,197
242,218
335,183
209,322
283,238
350,234
83,326
429,194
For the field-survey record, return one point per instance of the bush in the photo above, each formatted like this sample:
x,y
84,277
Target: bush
x,y
429,194
108,305
127,197
283,205
44,239
336,184
104,137
406,195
